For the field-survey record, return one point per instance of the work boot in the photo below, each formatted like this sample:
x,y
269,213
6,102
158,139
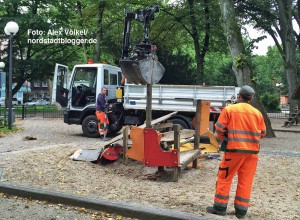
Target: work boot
x,y
239,216
212,210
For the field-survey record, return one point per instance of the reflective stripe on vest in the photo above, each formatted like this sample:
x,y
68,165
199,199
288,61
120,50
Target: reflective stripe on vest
x,y
244,125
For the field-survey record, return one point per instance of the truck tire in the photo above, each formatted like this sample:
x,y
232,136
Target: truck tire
x,y
185,122
114,128
90,126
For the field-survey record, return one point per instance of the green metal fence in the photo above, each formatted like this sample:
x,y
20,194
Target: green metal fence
x,y
23,111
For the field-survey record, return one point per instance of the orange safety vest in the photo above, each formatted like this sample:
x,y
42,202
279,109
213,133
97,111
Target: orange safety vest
x,y
242,126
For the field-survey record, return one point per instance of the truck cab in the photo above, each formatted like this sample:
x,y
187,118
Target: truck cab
x,y
77,92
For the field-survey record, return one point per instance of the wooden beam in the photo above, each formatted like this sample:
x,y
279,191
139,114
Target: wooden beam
x,y
176,129
153,122
163,118
125,143
197,130
149,106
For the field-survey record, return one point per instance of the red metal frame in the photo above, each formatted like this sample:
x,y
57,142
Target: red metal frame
x,y
154,155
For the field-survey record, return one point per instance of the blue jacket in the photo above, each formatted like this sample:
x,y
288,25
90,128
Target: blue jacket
x,y
101,101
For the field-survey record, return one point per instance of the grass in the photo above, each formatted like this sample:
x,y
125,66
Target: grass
x,y
4,130
18,109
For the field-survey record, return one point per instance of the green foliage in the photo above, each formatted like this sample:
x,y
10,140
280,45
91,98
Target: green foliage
x,y
269,70
170,31
3,122
218,69
241,61
276,18
178,63
271,101
4,129
35,61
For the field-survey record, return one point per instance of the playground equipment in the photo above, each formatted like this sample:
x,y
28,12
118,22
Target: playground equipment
x,y
154,148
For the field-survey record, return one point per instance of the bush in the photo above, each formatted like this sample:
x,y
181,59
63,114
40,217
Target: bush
x,y
3,122
271,101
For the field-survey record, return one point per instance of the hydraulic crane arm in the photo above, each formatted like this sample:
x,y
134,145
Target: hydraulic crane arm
x,y
140,65
142,15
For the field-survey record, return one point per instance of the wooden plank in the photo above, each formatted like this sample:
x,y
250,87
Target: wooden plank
x,y
119,137
186,141
87,154
149,106
163,118
169,136
197,129
176,129
187,157
175,174
163,126
125,144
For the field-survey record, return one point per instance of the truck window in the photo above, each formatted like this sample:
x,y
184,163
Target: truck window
x,y
62,78
84,86
113,79
119,78
106,77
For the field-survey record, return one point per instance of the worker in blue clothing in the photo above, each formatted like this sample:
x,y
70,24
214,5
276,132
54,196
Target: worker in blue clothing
x,y
100,113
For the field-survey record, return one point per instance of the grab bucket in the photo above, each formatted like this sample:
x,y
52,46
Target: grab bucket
x,y
145,71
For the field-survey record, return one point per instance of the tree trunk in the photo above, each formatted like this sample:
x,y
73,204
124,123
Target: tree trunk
x,y
289,48
206,37
195,36
79,11
101,6
241,62
199,55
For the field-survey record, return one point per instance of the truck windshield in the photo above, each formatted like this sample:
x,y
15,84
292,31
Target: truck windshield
x,y
84,86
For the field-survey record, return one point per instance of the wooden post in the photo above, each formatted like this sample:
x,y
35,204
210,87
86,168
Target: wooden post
x,y
176,129
197,129
149,114
125,144
149,106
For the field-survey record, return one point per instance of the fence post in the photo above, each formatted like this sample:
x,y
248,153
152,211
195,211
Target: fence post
x,y
23,112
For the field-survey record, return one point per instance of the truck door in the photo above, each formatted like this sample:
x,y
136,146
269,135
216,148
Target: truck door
x,y
83,85
111,81
60,89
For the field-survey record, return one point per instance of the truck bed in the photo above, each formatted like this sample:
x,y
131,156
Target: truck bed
x,y
178,97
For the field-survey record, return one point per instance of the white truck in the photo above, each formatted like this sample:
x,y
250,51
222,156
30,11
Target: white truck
x,y
77,91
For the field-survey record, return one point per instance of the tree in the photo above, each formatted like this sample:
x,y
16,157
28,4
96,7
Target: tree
x,y
275,18
99,33
174,62
269,71
218,69
241,62
34,59
198,20
289,47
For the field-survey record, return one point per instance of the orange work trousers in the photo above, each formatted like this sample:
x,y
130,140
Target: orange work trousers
x,y
102,122
245,166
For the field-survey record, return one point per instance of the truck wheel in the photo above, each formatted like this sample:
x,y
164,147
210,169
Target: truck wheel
x,y
90,126
114,128
185,122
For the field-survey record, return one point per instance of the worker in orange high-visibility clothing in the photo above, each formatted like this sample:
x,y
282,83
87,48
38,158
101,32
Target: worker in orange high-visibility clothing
x,y
100,113
242,127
